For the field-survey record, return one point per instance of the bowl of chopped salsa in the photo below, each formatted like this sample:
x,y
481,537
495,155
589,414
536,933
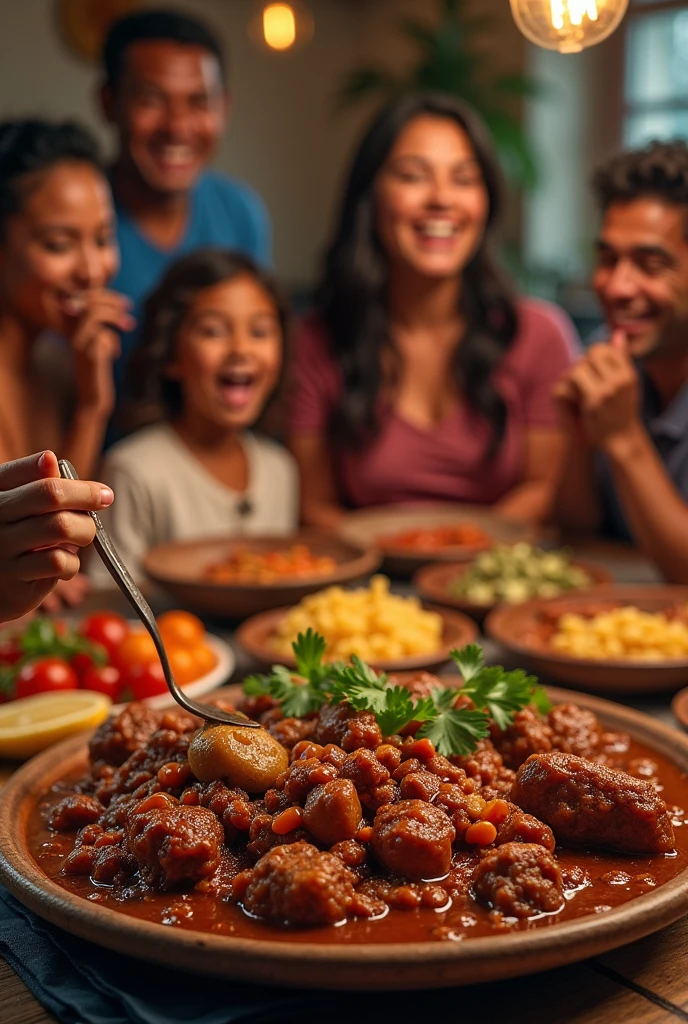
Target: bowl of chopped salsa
x,y
410,536
234,577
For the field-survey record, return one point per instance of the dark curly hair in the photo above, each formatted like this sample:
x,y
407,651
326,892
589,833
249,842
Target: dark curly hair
x,y
154,395
30,147
352,296
660,169
172,26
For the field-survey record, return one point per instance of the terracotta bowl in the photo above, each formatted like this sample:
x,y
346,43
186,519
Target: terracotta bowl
x,y
679,706
433,583
370,526
513,625
303,963
255,635
180,570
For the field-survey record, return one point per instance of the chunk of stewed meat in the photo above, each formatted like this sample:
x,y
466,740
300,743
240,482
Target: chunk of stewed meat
x,y
349,729
332,812
519,827
483,764
173,843
290,731
419,685
119,736
576,730
414,839
75,811
365,770
296,885
528,734
590,804
304,775
519,880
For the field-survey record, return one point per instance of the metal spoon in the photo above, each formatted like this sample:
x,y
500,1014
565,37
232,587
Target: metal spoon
x,y
120,574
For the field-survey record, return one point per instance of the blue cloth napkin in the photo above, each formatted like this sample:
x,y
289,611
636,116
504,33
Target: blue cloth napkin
x,y
80,983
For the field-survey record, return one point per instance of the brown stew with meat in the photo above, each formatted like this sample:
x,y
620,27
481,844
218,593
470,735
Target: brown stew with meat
x,y
550,819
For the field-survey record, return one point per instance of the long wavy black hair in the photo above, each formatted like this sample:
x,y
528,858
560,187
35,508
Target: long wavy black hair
x,y
352,295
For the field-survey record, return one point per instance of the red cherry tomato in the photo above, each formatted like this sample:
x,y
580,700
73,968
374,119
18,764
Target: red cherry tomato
x,y
44,675
103,679
105,628
83,662
10,650
146,680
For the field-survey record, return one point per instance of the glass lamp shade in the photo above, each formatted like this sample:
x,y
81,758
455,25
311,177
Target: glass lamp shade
x,y
567,25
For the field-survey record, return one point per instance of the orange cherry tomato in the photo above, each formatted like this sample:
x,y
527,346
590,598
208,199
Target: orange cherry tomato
x,y
182,629
183,664
205,659
135,650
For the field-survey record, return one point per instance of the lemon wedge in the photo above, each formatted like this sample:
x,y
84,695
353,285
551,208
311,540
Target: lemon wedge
x,y
33,723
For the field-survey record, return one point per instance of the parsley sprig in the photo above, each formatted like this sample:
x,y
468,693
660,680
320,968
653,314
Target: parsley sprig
x,y
496,695
304,691
494,690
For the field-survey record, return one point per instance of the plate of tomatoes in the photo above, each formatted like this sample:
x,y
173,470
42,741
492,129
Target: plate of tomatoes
x,y
106,653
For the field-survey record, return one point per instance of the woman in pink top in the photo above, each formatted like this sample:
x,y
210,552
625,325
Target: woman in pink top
x,y
422,377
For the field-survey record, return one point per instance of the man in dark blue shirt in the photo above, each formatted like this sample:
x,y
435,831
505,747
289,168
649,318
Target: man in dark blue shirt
x,y
626,402
165,93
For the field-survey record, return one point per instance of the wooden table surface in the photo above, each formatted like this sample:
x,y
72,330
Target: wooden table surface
x,y
643,983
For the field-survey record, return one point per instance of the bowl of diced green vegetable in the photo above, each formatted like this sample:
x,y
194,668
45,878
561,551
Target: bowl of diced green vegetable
x,y
506,574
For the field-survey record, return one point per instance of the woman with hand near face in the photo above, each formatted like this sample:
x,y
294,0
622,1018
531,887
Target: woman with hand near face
x,y
422,378
57,254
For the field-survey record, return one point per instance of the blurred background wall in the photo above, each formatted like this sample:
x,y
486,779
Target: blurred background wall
x,y
290,142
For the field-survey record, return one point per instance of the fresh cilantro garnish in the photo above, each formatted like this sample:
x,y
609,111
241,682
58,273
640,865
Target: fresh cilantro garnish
x,y
496,695
392,706
309,651
469,660
493,689
540,700
456,731
46,638
357,683
295,696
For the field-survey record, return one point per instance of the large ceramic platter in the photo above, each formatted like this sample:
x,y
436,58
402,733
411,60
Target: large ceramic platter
x,y
255,636
319,965
515,628
376,526
180,569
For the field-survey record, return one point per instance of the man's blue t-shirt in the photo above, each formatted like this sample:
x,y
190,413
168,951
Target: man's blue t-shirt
x,y
222,213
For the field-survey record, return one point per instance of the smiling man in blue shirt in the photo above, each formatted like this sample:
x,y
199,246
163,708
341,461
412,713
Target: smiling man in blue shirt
x,y
626,401
165,94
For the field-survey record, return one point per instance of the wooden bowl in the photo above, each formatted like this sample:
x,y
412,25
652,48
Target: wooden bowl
x,y
318,965
510,626
369,526
180,570
433,583
255,634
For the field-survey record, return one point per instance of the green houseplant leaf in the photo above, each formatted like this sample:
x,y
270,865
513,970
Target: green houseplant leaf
x,y
449,59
